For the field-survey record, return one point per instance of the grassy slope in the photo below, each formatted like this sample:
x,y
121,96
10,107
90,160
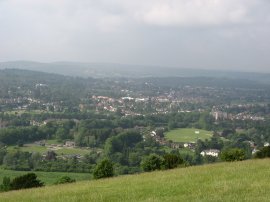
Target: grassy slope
x,y
47,177
240,181
187,135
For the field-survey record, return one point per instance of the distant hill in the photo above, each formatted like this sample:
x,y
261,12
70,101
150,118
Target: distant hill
x,y
121,70
238,181
22,77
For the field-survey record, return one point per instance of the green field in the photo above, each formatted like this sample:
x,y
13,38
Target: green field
x,y
43,149
187,135
22,111
237,181
47,177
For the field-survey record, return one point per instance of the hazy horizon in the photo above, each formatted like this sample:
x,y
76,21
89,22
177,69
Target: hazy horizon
x,y
226,35
149,67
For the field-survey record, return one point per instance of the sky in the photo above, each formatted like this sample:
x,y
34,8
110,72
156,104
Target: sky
x,y
200,34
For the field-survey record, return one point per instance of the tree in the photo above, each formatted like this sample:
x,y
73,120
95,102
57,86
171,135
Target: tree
x,y
50,156
35,159
3,152
25,181
263,153
152,162
120,142
5,186
172,125
62,134
233,154
172,161
104,169
20,143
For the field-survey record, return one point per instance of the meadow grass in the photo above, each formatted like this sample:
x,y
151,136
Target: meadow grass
x,y
42,149
187,135
22,111
47,177
237,181
32,148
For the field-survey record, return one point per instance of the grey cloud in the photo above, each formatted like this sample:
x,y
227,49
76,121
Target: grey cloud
x,y
225,34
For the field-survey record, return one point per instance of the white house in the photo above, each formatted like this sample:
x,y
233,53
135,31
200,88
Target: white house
x,y
210,152
153,133
266,144
254,151
70,144
186,145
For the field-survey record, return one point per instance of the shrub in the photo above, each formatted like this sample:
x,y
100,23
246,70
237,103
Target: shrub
x,y
152,162
103,169
263,153
233,154
5,186
25,181
64,180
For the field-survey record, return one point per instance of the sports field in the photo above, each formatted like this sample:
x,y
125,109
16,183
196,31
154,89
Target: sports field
x,y
187,135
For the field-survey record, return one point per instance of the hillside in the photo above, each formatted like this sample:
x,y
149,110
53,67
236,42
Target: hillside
x,y
101,70
240,181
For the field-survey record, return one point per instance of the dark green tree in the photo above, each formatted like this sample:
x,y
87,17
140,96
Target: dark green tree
x,y
5,186
104,169
25,181
151,163
172,161
64,180
263,153
233,154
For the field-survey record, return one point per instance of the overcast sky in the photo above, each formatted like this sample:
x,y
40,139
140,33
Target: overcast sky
x,y
209,34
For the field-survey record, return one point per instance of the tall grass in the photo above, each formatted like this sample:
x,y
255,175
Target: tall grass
x,y
239,181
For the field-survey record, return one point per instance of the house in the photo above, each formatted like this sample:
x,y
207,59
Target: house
x,y
40,143
266,144
153,133
3,124
70,144
210,152
254,151
186,145
175,145
190,145
251,144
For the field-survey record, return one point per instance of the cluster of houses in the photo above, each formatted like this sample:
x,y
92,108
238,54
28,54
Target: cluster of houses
x,y
174,145
210,152
219,114
254,148
69,144
133,105
24,103
55,147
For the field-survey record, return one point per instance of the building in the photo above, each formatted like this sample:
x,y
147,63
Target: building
x,y
266,144
210,152
70,144
254,151
3,124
